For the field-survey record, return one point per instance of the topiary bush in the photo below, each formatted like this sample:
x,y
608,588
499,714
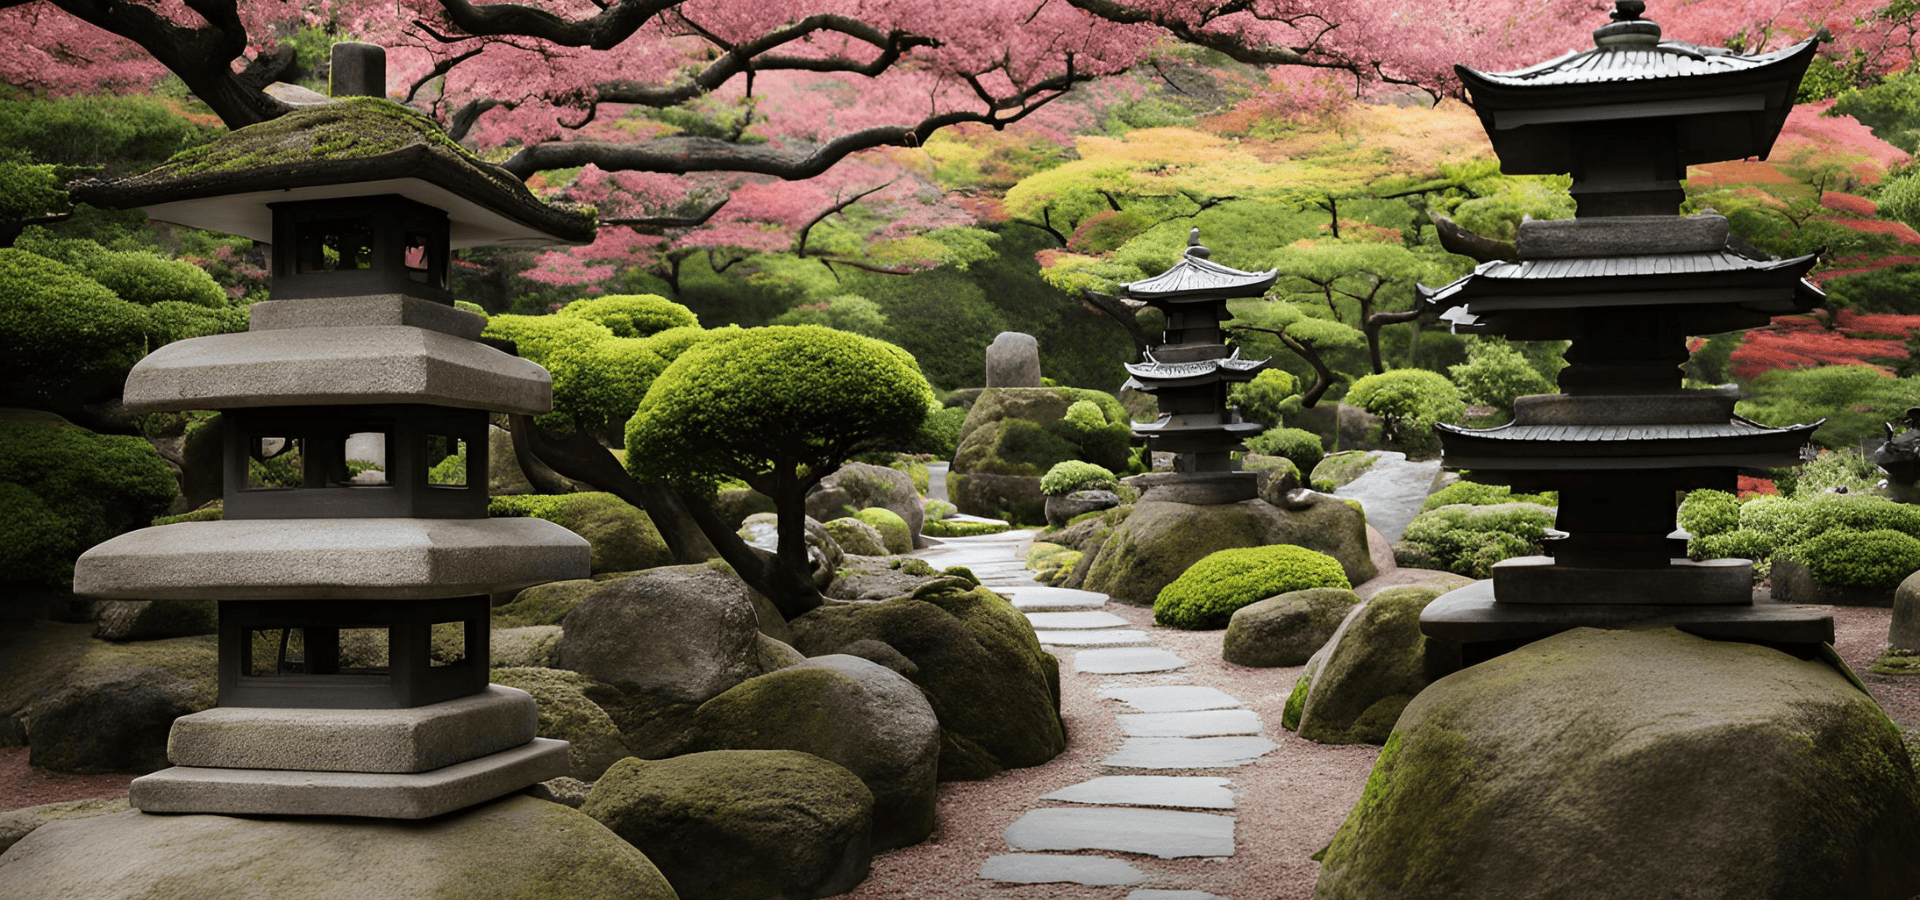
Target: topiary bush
x,y
1073,475
66,337
1774,526
1206,595
1876,560
1269,398
534,337
632,315
1468,540
600,383
1085,416
894,534
1707,512
173,320
1472,493
66,489
1296,444
1411,402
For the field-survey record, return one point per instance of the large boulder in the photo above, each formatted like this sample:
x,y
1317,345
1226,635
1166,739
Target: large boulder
x,y
622,536
545,604
516,848
90,706
995,692
856,538
881,577
527,645
1375,664
1635,764
593,741
1158,541
857,486
867,718
823,553
742,824
18,823
1012,436
659,644
1285,630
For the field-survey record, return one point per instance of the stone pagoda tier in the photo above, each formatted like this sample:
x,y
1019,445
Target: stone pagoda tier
x,y
1188,373
353,606
1627,281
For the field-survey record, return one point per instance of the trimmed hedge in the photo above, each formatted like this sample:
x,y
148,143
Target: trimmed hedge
x,y
1468,540
632,315
1296,444
1073,475
66,336
1471,493
66,489
1707,512
1206,595
1877,560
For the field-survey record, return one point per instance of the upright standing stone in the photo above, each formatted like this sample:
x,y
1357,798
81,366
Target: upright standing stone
x,y
1013,360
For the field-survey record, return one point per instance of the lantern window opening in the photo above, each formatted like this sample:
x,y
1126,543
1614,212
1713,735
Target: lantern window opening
x,y
297,651
362,461
449,644
449,466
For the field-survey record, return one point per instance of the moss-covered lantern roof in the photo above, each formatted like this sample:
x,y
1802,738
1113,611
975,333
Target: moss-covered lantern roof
x,y
361,146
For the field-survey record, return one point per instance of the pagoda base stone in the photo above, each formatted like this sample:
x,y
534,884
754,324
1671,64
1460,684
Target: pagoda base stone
x,y
1468,626
1197,488
1539,580
193,789
387,741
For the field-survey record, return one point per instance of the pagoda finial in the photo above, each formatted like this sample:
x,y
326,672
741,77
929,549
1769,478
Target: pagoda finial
x,y
1628,10
1628,28
1196,249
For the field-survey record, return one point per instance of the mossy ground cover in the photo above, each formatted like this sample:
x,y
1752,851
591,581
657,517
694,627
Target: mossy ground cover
x,y
1209,592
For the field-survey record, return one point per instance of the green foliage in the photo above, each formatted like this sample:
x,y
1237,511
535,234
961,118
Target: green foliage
x,y
1468,540
536,337
1857,401
1772,526
846,312
1708,512
1410,402
68,339
1893,289
1712,363
1504,201
29,191
125,133
1891,109
1899,197
632,315
1336,469
1848,468
1206,595
172,320
600,384
1298,445
894,533
952,528
936,510
1876,560
1473,493
1495,374
471,307
669,344
1073,475
67,489
939,435
1085,417
451,469
1268,399
761,405
136,276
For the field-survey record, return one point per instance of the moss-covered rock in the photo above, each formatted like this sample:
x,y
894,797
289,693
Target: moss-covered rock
x,y
515,848
856,537
527,645
733,505
567,715
18,823
66,489
1602,764
87,705
894,533
1336,469
847,710
859,486
881,577
1375,664
623,538
1013,436
742,824
823,553
1158,541
1285,630
146,620
996,693
545,604
1209,592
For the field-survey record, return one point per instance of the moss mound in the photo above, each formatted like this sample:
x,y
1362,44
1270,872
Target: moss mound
x,y
895,536
66,489
567,715
623,538
1207,594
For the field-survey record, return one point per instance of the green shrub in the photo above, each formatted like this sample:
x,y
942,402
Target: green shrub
x,y
938,509
66,337
894,532
66,489
632,315
1268,399
1707,512
1740,543
471,307
1473,493
147,278
1299,445
1206,595
669,344
1468,540
1783,524
600,383
535,337
1857,401
172,320
1844,468
939,435
847,312
1410,402
1496,374
1073,475
1876,560
955,528
1085,415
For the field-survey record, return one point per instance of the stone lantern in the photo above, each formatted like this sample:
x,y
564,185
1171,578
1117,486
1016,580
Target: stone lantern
x,y
1627,281
1188,373
353,635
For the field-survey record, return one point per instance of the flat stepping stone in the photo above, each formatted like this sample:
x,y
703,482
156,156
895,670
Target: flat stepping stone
x,y
1158,894
1040,598
1201,723
1188,753
1125,660
1165,833
1045,868
1112,636
1190,791
1176,698
1052,620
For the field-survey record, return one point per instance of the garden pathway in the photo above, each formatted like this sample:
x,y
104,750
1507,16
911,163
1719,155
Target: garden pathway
x,y
1134,807
1391,491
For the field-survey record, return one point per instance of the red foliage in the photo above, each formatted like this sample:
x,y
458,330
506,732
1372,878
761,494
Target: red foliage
x,y
1849,203
1857,264
1899,230
1749,486
1803,342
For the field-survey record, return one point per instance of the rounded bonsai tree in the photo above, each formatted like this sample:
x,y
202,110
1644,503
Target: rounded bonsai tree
x,y
778,408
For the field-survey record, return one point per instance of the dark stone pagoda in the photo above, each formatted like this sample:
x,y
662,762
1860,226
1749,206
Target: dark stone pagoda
x,y
1188,373
1627,281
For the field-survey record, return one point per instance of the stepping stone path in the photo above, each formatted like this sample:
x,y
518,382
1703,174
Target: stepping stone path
x,y
1073,835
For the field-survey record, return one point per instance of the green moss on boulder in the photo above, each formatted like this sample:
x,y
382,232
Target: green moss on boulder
x,y
742,824
1285,630
545,604
1336,469
1209,592
1155,542
1375,664
894,534
856,537
1013,436
91,706
567,715
623,538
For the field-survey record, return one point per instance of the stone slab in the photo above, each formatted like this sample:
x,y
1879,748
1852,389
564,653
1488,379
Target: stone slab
x,y
1111,636
1125,660
1594,237
1168,834
1471,615
333,367
1049,868
1200,723
1190,791
1538,580
322,559
1040,598
1188,753
1176,698
1158,894
243,792
371,309
391,741
1059,620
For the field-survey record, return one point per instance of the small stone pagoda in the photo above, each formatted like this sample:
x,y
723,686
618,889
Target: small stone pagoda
x,y
1188,373
1627,281
354,614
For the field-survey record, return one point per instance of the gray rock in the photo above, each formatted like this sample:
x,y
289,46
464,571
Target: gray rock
x,y
1285,630
1126,660
846,710
111,709
1013,360
823,554
1061,510
880,577
1197,723
515,847
1626,763
1107,637
1904,631
1172,698
1168,834
414,739
1160,541
1188,753
1054,868
857,486
1374,665
855,537
570,792
742,824
532,645
18,823
146,620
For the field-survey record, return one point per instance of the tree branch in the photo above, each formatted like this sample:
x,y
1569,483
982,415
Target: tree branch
x,y
1323,375
800,241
